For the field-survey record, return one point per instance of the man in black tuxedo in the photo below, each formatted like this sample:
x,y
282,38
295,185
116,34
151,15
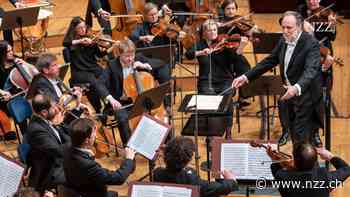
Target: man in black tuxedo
x,y
48,142
298,55
84,175
111,86
306,170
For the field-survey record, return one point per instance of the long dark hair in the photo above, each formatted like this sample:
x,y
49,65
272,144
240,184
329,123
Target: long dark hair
x,y
228,2
71,32
3,52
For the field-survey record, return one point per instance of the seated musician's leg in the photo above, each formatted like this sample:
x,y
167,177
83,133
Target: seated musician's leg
x,y
163,74
284,120
123,125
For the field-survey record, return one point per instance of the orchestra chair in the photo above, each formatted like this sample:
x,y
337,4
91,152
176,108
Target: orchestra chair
x,y
22,152
20,110
64,191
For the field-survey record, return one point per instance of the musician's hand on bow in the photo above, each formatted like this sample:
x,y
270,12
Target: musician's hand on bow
x,y
228,174
290,93
271,153
6,96
204,52
147,38
141,65
332,18
130,153
166,10
104,14
86,41
328,62
115,104
59,116
77,92
239,81
19,61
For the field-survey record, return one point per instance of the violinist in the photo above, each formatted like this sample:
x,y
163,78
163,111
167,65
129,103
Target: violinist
x,y
111,86
307,170
47,82
217,69
84,52
48,141
84,175
143,37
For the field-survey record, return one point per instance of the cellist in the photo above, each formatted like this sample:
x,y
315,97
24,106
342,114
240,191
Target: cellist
x,y
111,84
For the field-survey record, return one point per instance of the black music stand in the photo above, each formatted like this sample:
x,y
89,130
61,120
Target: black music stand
x,y
206,123
145,103
164,53
20,18
149,100
264,86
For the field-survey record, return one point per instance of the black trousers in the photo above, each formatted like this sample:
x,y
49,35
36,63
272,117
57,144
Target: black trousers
x,y
123,125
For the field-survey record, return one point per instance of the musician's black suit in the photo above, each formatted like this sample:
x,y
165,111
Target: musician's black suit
x,y
88,178
46,154
303,69
320,178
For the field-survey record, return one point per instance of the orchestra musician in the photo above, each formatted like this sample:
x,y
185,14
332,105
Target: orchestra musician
x,y
142,37
47,81
48,141
306,169
83,52
178,153
84,175
102,10
301,75
111,85
217,69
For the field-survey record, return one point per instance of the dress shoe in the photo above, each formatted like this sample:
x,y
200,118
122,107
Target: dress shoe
x,y
316,140
283,139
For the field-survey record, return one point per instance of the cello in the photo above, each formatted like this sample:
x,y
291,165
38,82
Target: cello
x,y
125,25
134,85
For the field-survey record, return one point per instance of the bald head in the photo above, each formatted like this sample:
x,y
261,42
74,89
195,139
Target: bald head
x,y
305,157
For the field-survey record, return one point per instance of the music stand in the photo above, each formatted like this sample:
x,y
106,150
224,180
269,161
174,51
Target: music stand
x,y
162,52
20,18
264,86
149,100
206,123
145,103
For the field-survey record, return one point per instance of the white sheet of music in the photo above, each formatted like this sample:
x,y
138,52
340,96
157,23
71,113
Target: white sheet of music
x,y
246,162
147,137
159,191
205,102
10,176
146,191
176,192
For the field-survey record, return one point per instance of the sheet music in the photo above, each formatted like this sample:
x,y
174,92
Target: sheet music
x,y
159,191
146,191
246,162
176,192
205,102
147,137
10,176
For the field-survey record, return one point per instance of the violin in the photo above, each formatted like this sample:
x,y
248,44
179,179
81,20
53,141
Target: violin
x,y
321,15
225,41
163,27
284,159
325,52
